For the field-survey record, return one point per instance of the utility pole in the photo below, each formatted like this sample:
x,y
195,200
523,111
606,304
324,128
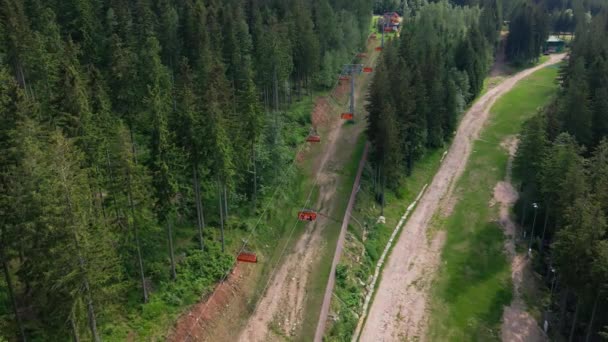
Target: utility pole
x,y
383,29
535,206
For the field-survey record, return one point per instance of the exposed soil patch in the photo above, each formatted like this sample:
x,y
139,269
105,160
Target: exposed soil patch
x,y
190,326
500,67
279,313
341,92
517,323
399,309
320,112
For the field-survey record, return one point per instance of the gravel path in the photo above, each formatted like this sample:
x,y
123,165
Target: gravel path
x,y
399,310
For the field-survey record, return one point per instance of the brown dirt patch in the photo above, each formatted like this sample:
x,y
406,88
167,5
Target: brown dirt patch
x,y
320,112
341,91
192,325
510,144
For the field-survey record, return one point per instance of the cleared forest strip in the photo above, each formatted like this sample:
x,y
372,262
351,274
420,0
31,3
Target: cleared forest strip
x,y
249,281
399,308
338,251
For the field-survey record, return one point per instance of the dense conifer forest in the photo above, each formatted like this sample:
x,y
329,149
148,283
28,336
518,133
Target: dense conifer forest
x,y
124,124
133,133
563,164
425,80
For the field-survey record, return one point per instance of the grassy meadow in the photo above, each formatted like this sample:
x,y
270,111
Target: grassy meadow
x,y
474,283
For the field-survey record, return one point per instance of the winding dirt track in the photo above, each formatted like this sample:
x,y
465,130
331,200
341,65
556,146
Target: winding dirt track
x,y
399,310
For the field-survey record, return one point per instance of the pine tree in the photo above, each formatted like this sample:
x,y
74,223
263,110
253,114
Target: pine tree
x,y
190,133
575,110
11,98
165,158
532,150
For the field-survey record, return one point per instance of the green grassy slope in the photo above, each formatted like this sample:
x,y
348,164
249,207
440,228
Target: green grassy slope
x,y
473,283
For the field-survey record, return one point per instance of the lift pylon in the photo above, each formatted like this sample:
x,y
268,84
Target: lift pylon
x,y
352,70
384,28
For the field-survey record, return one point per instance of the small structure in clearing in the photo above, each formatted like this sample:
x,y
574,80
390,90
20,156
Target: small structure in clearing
x,y
554,44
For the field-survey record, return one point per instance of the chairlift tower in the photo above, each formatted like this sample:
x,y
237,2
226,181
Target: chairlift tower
x,y
351,70
383,30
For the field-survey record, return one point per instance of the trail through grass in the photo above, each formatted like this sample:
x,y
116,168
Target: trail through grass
x,y
474,284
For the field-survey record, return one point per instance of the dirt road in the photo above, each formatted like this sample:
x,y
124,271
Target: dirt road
x,y
399,310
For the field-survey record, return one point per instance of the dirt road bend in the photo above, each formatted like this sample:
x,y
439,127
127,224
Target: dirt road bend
x,y
399,310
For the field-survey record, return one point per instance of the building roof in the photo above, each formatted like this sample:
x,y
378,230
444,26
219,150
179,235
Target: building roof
x,y
554,39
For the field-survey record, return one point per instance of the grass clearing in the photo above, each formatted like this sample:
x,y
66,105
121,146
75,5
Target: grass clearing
x,y
315,289
474,282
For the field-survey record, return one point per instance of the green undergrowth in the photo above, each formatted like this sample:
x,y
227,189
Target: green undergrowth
x,y
315,289
474,280
198,272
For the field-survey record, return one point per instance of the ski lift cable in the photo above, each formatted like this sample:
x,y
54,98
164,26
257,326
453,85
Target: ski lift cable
x,y
244,245
274,269
352,61
225,276
291,234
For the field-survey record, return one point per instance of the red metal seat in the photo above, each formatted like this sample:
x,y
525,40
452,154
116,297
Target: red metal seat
x,y
313,138
247,257
347,116
307,215
379,48
368,69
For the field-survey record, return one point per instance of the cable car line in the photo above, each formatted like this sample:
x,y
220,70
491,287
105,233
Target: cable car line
x,y
223,279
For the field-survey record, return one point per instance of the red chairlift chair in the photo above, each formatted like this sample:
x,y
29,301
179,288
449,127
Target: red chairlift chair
x,y
307,215
368,69
247,257
313,137
347,116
